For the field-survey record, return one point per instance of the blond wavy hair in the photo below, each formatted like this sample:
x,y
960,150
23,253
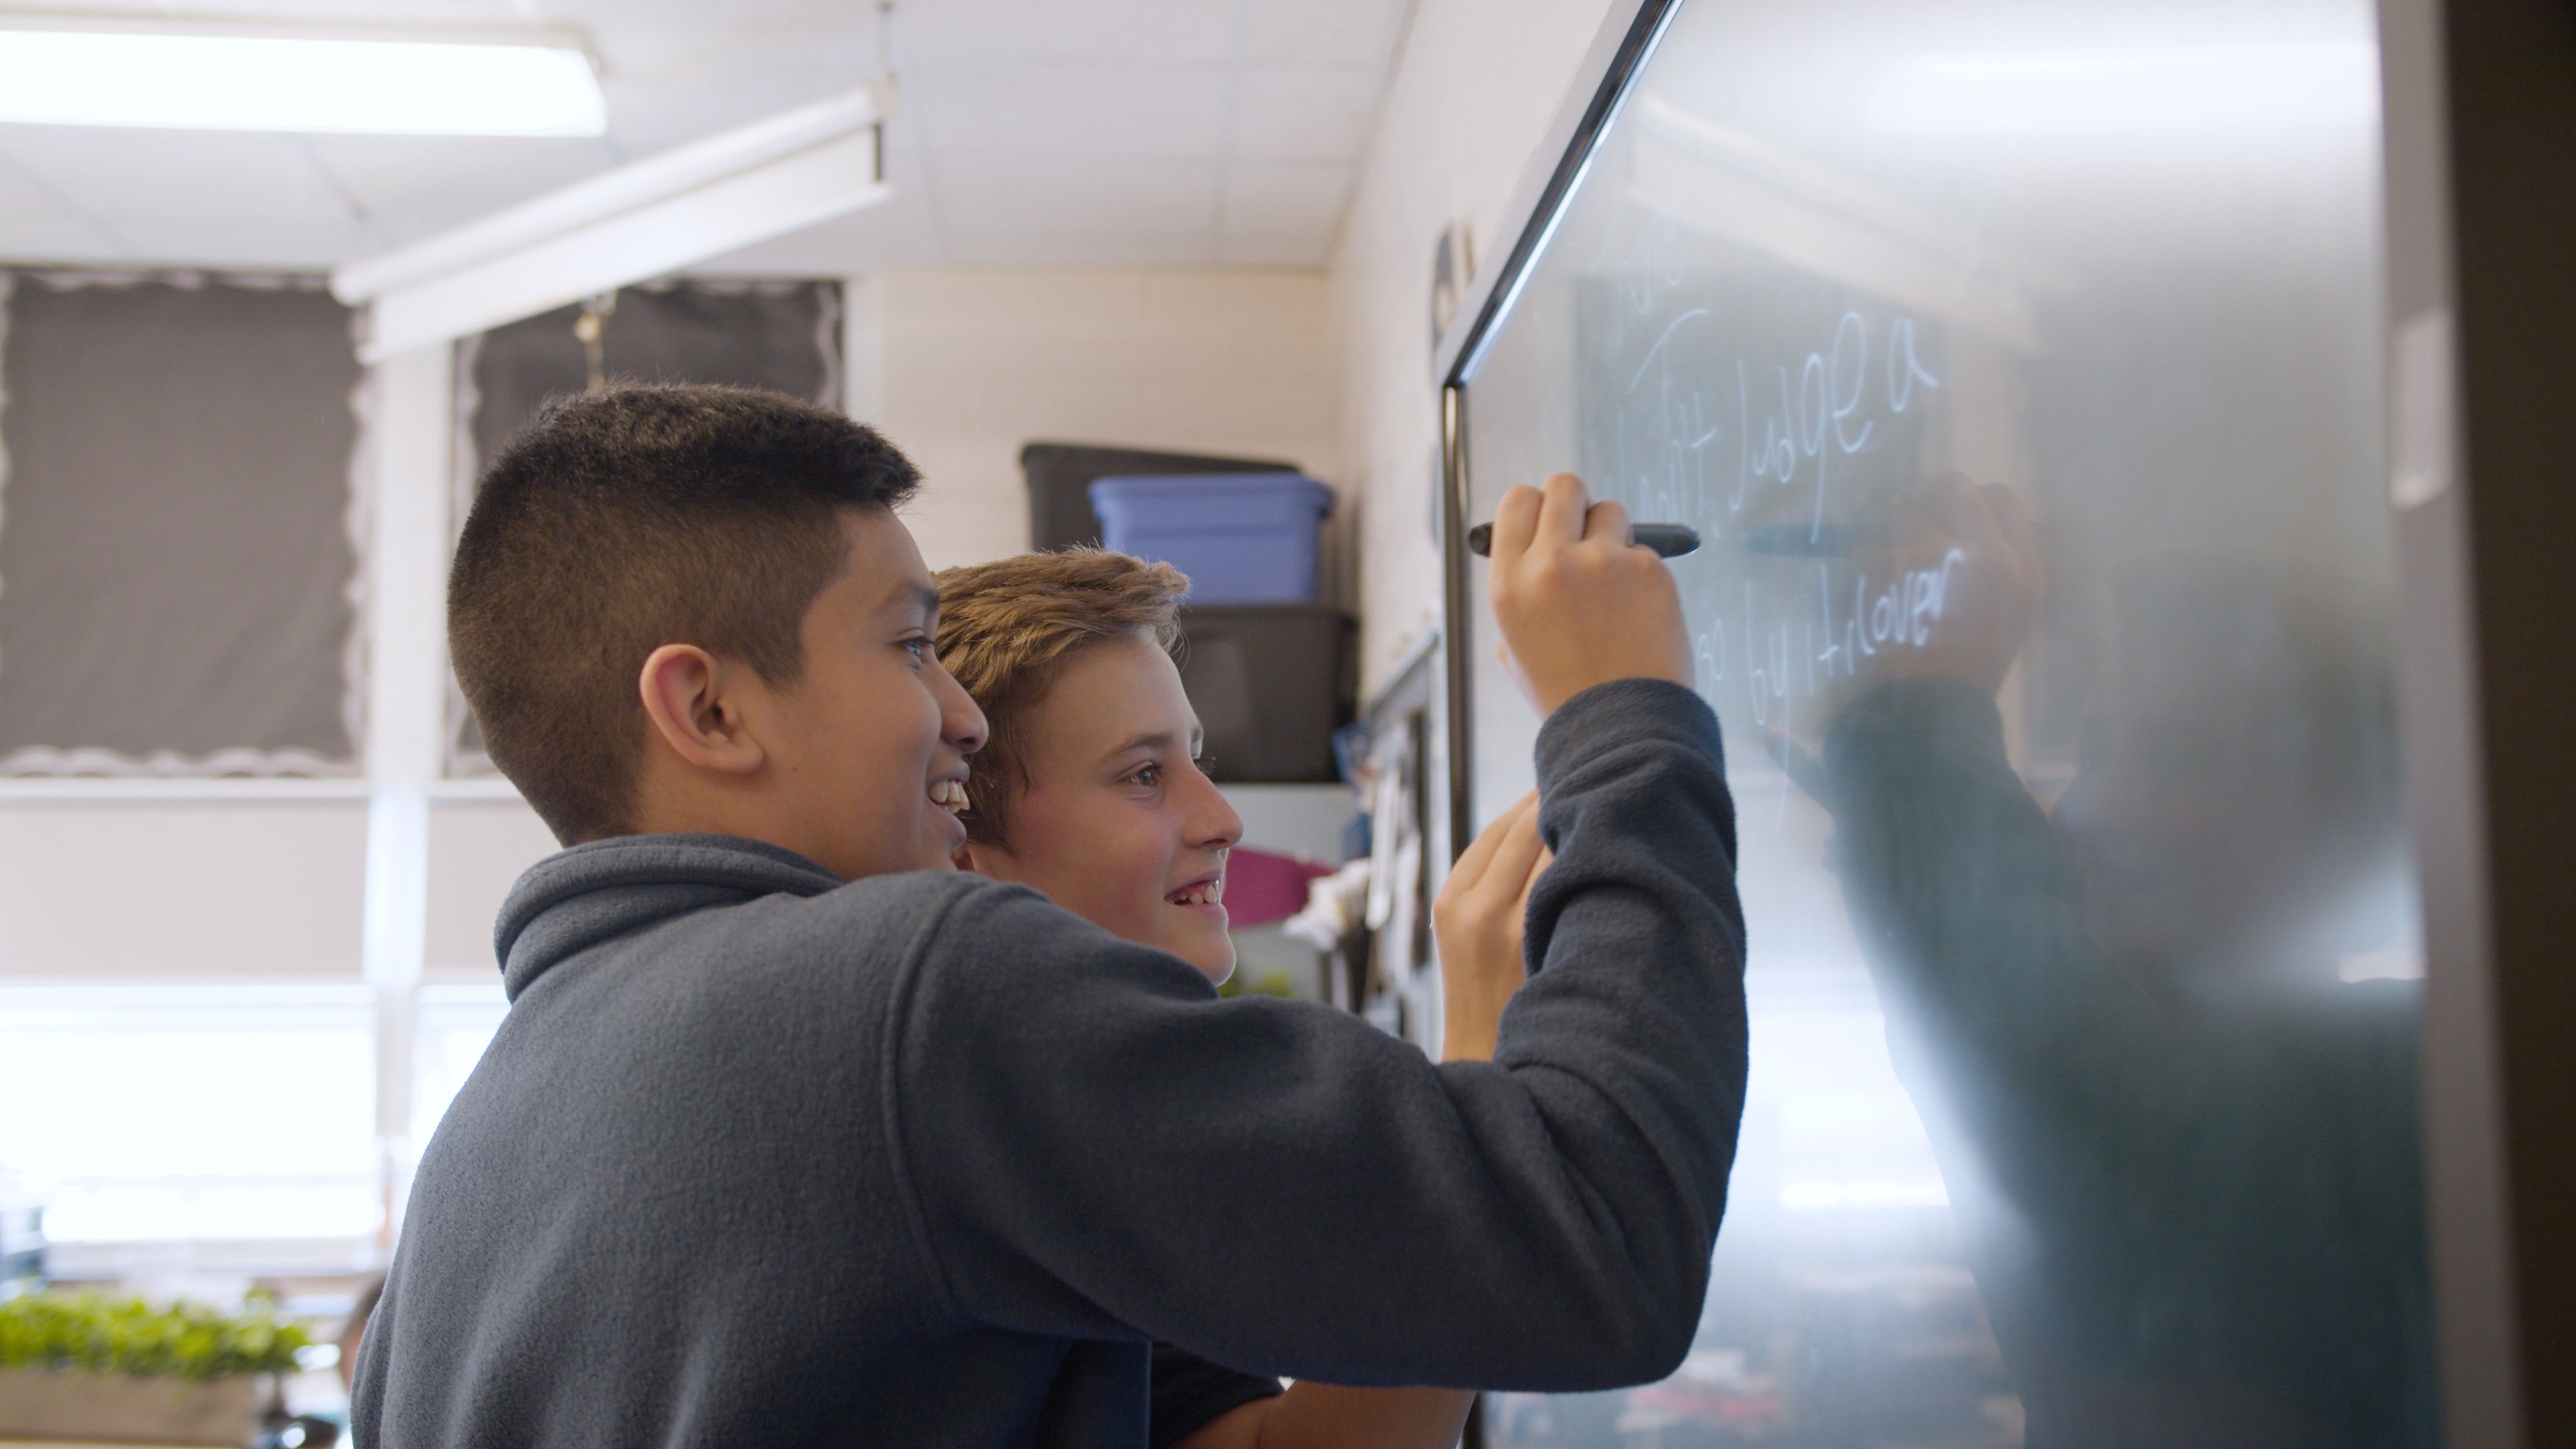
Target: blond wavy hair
x,y
1009,629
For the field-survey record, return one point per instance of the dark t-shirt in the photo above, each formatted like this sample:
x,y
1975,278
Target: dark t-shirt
x,y
1190,1393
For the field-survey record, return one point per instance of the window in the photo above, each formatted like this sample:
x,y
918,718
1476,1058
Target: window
x,y
178,575
215,1115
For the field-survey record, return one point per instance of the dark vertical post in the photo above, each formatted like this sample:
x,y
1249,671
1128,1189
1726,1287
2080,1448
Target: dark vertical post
x,y
2481,114
1457,637
2512,74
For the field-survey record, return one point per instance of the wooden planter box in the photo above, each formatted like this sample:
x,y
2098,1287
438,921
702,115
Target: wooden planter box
x,y
115,1409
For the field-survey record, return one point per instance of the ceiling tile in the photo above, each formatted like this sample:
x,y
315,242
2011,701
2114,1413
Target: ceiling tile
x,y
410,186
1271,198
1060,249
1322,32
815,48
1111,32
1083,110
1304,114
40,240
1032,132
35,223
901,233
123,176
1020,195
644,121
245,245
383,12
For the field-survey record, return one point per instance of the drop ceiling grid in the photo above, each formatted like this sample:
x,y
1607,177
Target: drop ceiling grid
x,y
1032,132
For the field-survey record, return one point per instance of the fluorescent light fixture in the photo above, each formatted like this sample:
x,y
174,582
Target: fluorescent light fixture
x,y
234,82
2145,88
638,221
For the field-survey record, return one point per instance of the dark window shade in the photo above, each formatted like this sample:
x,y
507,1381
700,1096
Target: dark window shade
x,y
781,335
177,568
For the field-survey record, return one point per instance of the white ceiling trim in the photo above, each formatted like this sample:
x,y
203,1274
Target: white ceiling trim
x,y
638,221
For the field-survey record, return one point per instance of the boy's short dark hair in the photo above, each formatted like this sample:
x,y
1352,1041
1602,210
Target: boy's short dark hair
x,y
624,520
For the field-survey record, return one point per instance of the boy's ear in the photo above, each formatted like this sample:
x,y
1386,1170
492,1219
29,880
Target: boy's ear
x,y
685,696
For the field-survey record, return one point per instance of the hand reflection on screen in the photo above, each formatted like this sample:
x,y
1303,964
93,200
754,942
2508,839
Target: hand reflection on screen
x,y
1983,546
2181,1149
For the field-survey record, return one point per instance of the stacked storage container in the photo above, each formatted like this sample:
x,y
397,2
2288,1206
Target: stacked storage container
x,y
1243,538
1271,669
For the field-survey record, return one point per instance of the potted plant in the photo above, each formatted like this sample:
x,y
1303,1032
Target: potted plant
x,y
108,1370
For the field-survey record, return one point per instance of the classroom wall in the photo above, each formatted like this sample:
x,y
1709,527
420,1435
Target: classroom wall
x,y
961,367
106,889
477,850
1474,88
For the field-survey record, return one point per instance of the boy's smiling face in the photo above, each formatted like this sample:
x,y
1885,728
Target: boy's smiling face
x,y
860,764
1117,823
869,747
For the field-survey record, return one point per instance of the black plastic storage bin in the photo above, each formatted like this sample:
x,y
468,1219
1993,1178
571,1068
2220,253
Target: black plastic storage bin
x,y
1270,682
1061,474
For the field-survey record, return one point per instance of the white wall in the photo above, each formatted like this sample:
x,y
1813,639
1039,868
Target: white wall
x,y
175,889
1474,89
477,850
960,368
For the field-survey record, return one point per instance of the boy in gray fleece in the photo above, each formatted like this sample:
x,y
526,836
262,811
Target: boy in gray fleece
x,y
795,1136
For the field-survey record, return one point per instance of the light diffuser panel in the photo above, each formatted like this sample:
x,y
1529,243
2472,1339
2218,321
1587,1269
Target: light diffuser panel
x,y
250,83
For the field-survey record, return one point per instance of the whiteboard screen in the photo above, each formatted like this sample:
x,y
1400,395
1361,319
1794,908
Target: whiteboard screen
x,y
2020,366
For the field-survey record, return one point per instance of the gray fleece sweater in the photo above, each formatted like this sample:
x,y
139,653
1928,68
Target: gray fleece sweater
x,y
762,1157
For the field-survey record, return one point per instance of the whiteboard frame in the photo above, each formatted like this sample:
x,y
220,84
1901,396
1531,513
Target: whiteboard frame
x,y
1625,42
2482,1340
2463,86
1620,49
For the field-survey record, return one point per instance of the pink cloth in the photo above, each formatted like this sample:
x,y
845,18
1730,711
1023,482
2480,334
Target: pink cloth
x,y
1261,887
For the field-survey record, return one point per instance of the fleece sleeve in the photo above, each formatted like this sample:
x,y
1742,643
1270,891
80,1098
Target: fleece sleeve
x,y
1972,915
1095,1145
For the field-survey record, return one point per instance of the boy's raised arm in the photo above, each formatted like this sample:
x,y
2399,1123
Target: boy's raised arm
x,y
1282,1188
1579,603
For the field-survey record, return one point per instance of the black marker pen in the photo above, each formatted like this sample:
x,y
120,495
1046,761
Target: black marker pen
x,y
1668,540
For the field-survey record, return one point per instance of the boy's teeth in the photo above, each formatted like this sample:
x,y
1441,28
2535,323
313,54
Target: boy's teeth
x,y
949,794
1207,894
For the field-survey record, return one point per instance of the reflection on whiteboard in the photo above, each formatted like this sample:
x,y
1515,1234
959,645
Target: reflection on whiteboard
x,y
2020,368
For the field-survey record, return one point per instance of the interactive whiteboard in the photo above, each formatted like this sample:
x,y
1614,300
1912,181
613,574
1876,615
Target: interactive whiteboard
x,y
2020,366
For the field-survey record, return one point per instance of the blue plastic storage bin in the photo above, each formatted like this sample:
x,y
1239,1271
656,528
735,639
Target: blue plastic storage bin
x,y
1243,538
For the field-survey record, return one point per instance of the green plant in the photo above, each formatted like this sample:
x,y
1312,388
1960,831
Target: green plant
x,y
92,1334
1268,983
